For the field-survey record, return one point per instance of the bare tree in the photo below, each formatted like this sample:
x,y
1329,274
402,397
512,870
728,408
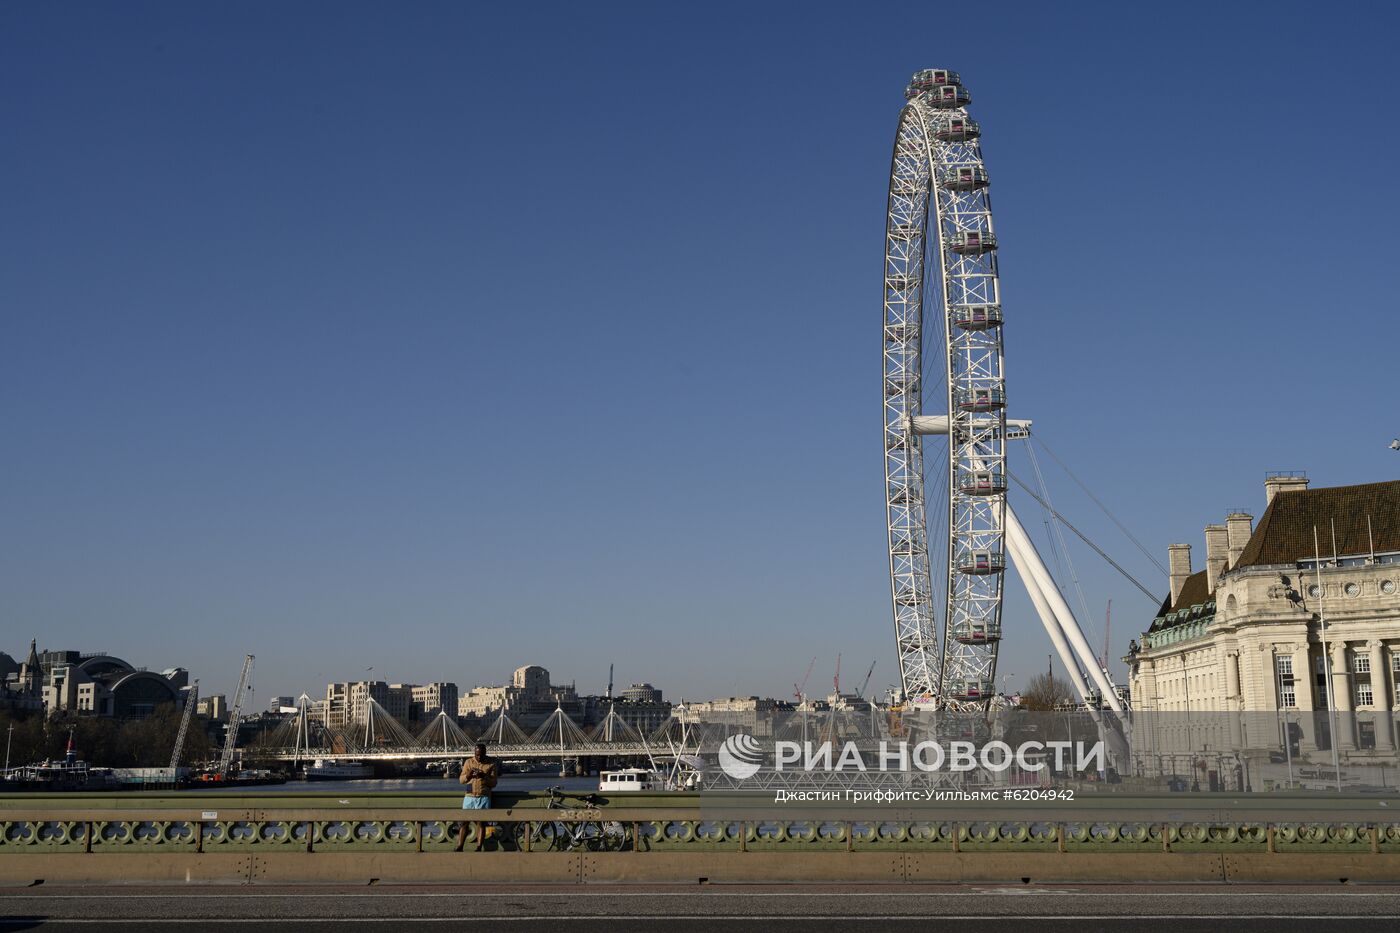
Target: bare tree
x,y
1045,692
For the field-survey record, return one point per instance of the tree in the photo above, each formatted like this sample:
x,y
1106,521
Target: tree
x,y
1045,692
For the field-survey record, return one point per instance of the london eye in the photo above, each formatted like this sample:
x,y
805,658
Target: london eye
x,y
950,527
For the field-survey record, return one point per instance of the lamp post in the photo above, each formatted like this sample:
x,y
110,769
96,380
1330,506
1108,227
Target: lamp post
x,y
9,737
1244,757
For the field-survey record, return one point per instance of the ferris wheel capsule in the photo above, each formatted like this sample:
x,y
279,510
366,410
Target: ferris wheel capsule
x,y
958,129
976,317
963,178
972,689
977,399
981,482
976,633
972,242
945,96
981,563
926,78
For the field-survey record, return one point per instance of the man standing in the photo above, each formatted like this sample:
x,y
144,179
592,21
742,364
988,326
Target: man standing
x,y
480,772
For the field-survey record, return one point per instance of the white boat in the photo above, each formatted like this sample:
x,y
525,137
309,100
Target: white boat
x,y
630,780
349,770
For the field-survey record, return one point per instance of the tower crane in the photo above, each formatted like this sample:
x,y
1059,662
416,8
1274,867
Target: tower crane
x,y
866,684
190,702
231,734
1107,627
798,688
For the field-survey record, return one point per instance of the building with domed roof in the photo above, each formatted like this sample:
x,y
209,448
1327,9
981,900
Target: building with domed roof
x,y
97,684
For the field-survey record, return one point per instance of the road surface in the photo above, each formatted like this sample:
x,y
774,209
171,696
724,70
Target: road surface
x,y
691,909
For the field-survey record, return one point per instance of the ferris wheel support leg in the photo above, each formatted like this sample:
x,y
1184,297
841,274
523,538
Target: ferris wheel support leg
x,y
1028,562
1115,739
1052,628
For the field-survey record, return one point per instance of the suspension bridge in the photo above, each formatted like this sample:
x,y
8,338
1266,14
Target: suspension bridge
x,y
381,737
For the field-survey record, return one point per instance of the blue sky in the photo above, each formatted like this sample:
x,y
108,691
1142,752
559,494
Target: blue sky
x,y
445,338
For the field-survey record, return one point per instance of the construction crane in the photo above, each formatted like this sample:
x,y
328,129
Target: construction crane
x,y
836,681
866,684
231,733
1107,627
798,688
190,702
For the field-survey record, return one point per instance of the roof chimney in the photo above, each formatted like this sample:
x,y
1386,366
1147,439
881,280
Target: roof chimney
x,y
1238,527
1275,483
1179,562
1217,554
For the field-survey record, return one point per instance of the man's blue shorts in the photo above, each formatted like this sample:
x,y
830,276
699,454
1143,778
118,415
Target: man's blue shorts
x,y
476,803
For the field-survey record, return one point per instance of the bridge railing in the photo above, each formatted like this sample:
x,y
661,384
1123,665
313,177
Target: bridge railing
x,y
214,825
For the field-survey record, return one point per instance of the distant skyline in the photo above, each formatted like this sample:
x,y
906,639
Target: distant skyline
x,y
448,338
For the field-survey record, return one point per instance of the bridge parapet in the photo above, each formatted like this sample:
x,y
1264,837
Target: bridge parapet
x,y
157,838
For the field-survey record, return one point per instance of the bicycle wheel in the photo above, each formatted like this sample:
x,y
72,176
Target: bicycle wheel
x,y
617,837
552,836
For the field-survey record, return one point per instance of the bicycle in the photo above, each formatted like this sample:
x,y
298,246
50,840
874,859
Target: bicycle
x,y
557,835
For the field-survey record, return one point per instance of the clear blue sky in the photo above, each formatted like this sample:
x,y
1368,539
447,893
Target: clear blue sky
x,y
444,338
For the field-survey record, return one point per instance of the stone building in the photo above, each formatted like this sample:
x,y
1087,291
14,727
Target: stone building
x,y
643,693
427,700
95,683
1298,618
348,703
529,699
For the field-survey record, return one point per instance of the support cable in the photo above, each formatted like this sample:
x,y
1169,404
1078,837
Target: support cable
x,y
1113,518
1059,534
1156,600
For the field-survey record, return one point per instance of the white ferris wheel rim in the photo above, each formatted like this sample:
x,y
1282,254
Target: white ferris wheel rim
x,y
938,211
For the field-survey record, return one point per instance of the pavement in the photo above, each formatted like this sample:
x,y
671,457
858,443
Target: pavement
x,y
690,909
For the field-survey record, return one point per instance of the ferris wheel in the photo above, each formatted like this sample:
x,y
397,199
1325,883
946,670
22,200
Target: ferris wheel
x,y
943,326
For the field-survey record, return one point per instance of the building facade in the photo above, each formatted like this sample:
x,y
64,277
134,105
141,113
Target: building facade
x,y
427,700
1298,618
528,700
95,684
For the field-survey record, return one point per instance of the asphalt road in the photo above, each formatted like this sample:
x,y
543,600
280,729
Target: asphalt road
x,y
774,909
